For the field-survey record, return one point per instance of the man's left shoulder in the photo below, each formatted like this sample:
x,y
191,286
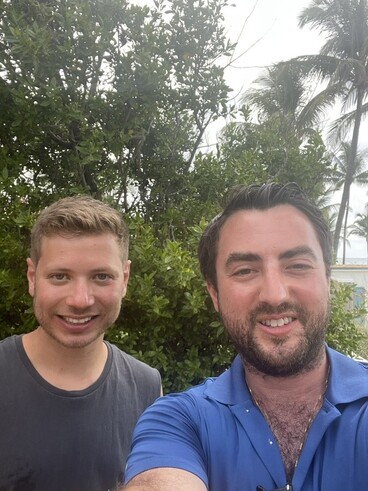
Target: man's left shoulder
x,y
127,362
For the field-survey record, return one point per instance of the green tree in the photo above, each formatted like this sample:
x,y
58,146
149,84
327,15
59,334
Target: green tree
x,y
109,98
269,154
102,97
343,64
343,333
281,95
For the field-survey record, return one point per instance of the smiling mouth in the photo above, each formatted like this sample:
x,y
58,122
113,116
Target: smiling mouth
x,y
284,321
77,322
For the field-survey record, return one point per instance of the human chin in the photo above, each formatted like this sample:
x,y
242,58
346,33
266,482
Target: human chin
x,y
280,357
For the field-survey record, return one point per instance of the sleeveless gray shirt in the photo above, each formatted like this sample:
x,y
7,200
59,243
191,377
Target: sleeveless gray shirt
x,y
57,440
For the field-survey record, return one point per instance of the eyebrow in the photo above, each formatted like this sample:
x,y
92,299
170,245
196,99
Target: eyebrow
x,y
237,257
299,251
251,257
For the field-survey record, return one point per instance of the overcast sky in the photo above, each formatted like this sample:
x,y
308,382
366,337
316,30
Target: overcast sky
x,y
269,33
266,32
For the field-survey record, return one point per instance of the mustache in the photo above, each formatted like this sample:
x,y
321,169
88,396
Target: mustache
x,y
286,307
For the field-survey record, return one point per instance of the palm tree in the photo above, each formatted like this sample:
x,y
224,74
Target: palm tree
x,y
343,64
358,174
278,100
281,94
360,227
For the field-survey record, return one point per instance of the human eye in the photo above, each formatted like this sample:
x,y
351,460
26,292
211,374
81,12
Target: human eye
x,y
243,272
103,277
300,266
58,277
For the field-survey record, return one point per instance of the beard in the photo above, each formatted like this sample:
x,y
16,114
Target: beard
x,y
281,360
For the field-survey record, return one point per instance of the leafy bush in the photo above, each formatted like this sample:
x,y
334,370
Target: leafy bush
x,y
167,318
343,333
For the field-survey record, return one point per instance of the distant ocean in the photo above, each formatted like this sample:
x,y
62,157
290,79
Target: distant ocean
x,y
353,260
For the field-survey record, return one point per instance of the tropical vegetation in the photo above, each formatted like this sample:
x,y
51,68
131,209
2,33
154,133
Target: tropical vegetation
x,y
342,67
112,99
360,227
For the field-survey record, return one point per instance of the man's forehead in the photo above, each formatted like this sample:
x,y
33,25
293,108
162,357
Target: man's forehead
x,y
280,225
257,215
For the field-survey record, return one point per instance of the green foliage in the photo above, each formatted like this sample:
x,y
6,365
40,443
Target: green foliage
x,y
167,318
269,154
112,99
15,303
343,333
114,94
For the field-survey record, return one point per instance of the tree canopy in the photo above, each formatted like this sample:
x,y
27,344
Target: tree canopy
x,y
115,95
343,65
112,99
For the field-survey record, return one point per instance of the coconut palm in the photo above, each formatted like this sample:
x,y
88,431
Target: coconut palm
x,y
360,227
281,94
343,176
342,64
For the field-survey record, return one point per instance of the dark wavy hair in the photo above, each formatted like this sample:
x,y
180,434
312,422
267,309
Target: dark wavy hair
x,y
261,197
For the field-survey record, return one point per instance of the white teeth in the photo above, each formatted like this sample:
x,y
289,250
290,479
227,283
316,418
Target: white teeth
x,y
277,322
71,320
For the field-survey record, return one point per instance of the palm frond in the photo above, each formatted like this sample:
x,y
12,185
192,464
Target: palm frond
x,y
319,104
319,66
339,128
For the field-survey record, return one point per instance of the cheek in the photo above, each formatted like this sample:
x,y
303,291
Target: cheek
x,y
45,294
315,296
44,299
112,297
234,300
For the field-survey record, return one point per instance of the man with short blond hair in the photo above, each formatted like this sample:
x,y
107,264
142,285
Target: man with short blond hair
x,y
70,400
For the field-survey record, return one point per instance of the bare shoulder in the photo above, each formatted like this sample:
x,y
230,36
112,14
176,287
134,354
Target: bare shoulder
x,y
165,479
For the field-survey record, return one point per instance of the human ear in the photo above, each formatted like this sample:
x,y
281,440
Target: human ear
x,y
31,273
126,273
212,290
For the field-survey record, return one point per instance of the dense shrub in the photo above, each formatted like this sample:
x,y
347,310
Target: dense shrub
x,y
167,318
343,332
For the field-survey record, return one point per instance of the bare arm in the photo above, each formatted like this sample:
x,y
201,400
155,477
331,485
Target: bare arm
x,y
165,479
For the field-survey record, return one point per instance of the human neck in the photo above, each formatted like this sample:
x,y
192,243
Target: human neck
x,y
63,367
268,387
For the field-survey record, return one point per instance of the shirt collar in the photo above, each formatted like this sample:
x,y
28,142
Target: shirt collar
x,y
348,379
348,382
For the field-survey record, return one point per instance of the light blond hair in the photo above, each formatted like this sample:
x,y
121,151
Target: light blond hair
x,y
79,216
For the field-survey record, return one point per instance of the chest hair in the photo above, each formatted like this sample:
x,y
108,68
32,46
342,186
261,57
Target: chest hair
x,y
290,423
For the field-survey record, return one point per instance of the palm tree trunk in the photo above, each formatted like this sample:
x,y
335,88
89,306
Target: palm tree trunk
x,y
350,167
345,229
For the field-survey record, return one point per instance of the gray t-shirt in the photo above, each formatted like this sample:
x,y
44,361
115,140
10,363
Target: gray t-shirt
x,y
57,440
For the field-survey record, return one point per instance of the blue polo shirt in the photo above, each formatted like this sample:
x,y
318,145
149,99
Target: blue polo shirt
x,y
216,432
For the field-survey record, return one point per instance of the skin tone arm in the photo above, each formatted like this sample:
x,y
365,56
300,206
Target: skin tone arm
x,y
165,479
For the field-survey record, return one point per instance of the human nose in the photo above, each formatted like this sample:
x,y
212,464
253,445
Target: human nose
x,y
274,289
80,295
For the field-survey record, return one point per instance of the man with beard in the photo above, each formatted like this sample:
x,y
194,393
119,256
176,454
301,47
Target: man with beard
x,y
69,400
290,413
